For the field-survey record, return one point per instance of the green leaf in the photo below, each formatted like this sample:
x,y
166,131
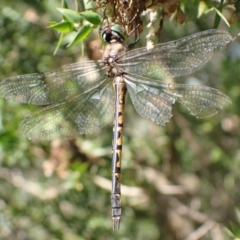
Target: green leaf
x,y
219,14
81,34
89,4
64,4
59,43
62,26
91,17
222,16
202,7
71,15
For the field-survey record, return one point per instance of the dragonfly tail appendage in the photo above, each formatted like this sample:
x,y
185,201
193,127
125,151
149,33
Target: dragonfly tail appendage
x,y
116,211
120,89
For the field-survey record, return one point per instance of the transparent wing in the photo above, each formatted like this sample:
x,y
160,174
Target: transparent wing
x,y
177,58
80,114
53,86
153,100
149,102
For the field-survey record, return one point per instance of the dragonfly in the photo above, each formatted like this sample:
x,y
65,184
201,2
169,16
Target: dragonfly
x,y
81,98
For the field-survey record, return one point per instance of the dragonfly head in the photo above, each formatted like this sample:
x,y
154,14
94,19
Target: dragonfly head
x,y
113,32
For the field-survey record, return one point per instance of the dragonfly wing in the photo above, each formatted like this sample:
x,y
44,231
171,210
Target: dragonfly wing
x,y
80,114
153,100
176,58
149,102
52,86
201,101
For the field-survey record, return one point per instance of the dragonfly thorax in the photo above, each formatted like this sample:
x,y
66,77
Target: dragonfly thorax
x,y
111,55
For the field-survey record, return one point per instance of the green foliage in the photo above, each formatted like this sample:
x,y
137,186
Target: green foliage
x,y
81,34
82,23
234,228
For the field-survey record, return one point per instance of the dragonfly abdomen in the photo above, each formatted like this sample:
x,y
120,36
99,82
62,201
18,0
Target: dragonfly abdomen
x,y
120,90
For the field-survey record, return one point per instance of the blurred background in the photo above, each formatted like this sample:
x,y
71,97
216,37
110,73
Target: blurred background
x,y
180,181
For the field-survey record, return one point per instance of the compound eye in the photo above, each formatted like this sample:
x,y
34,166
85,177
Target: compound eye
x,y
119,29
113,32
